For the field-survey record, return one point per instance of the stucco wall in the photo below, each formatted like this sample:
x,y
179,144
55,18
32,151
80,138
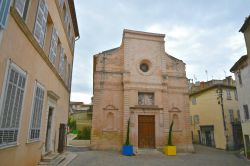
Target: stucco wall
x,y
16,46
210,113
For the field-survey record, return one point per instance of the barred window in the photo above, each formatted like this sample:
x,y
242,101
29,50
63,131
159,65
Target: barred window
x,y
53,46
41,22
35,123
10,114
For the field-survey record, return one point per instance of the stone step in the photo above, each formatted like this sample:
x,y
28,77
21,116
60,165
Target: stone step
x,y
147,151
52,159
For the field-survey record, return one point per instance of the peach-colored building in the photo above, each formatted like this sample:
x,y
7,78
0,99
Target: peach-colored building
x,y
140,81
37,40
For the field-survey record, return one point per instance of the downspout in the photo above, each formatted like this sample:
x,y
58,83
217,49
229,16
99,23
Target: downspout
x,y
223,115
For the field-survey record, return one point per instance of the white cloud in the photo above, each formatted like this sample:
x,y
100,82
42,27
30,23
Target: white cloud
x,y
204,34
83,97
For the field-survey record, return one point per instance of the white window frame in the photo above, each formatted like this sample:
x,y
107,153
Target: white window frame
x,y
231,115
194,102
43,25
246,109
235,94
61,3
11,65
22,3
53,46
66,17
39,85
196,119
229,97
5,16
62,62
69,76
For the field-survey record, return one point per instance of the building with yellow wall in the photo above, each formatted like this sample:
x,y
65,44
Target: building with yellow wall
x,y
215,119
241,69
37,39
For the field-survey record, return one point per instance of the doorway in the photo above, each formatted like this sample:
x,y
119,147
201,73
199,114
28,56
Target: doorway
x,y
207,135
48,141
146,131
208,138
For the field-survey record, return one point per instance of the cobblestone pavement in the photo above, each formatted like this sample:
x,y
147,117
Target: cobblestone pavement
x,y
204,156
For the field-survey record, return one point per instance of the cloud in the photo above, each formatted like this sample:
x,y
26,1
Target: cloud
x,y
78,96
204,34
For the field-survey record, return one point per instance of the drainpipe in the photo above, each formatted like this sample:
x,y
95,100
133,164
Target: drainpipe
x,y
220,94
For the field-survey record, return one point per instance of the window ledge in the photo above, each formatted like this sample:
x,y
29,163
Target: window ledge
x,y
29,141
14,145
154,107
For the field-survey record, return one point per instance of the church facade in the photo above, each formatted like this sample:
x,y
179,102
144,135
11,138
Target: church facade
x,y
141,82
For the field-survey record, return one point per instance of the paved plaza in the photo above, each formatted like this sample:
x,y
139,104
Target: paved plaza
x,y
204,156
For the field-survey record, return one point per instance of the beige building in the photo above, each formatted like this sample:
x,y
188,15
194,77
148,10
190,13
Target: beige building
x,y
140,81
241,69
215,114
37,40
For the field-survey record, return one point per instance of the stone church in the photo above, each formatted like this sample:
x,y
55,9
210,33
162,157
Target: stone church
x,y
140,81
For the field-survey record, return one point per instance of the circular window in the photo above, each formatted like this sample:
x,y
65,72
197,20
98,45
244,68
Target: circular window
x,y
144,67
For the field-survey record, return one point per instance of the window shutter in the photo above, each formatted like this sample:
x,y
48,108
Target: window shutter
x,y
35,124
20,5
53,46
61,3
41,22
61,65
69,75
66,17
12,107
4,10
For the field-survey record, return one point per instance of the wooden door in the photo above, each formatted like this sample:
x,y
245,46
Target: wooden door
x,y
146,131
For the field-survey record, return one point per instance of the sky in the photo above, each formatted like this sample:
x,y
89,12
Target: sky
x,y
204,34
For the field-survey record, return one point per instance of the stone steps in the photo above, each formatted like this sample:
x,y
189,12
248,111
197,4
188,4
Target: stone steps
x,y
147,151
52,159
